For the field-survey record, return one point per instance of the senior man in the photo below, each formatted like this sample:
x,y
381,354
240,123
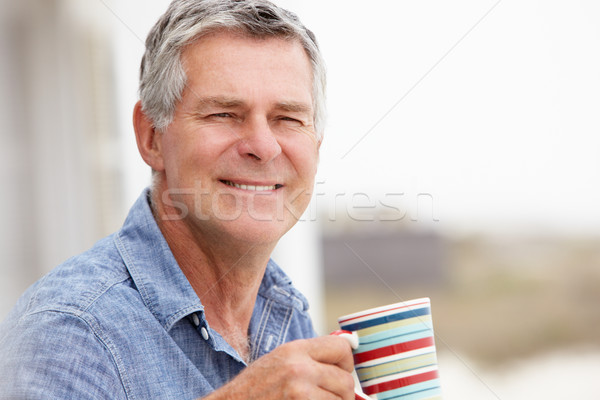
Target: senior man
x,y
184,301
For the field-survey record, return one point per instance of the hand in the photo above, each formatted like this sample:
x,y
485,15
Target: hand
x,y
310,369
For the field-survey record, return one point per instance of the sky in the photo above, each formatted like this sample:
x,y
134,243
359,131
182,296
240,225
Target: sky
x,y
463,116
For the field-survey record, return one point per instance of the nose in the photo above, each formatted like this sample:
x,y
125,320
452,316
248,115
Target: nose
x,y
259,142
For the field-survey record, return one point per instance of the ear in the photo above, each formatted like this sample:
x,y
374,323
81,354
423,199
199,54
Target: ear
x,y
147,138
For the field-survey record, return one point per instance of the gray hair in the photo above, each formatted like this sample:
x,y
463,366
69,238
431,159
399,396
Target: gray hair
x,y
162,77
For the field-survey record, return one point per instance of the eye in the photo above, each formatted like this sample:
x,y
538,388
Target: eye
x,y
221,115
290,119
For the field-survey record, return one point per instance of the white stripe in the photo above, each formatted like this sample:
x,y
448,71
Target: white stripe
x,y
386,308
399,376
399,356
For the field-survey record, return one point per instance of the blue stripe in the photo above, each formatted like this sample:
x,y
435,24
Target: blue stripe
x,y
387,318
417,391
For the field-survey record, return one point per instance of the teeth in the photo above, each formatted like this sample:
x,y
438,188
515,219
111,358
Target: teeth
x,y
251,187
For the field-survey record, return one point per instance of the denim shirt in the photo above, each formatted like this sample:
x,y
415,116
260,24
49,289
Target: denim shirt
x,y
121,321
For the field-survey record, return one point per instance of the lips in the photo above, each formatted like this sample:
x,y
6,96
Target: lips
x,y
256,188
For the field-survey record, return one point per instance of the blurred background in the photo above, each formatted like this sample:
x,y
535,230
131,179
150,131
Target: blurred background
x,y
461,162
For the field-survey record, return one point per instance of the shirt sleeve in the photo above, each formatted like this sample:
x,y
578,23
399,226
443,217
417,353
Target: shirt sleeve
x,y
56,355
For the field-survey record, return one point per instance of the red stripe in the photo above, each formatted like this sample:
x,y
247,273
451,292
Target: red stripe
x,y
393,349
398,383
382,311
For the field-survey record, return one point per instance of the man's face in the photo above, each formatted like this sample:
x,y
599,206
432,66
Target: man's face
x,y
241,152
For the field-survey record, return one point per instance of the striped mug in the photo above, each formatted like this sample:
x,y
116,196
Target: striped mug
x,y
394,351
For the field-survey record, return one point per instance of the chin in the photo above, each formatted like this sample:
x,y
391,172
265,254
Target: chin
x,y
261,232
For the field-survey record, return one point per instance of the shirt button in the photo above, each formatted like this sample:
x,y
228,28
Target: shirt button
x,y
195,319
204,333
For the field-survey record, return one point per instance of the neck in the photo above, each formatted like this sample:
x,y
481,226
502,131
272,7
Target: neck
x,y
225,274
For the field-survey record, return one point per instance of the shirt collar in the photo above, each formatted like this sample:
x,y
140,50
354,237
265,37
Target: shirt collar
x,y
163,286
277,286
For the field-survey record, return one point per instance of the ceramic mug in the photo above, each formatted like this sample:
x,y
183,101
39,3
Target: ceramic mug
x,y
394,351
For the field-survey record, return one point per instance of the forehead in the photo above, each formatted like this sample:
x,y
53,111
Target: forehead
x,y
231,62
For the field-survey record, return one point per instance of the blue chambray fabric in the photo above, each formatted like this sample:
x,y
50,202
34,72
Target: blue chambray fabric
x,y
118,322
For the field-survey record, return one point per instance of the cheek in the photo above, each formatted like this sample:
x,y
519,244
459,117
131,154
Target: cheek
x,y
308,165
304,156
181,162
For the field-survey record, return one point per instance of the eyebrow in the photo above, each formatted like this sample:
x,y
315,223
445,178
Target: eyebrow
x,y
218,101
231,102
293,106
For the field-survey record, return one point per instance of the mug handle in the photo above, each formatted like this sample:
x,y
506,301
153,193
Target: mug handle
x,y
352,339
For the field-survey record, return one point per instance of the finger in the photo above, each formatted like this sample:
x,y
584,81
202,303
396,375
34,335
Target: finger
x,y
322,394
331,350
336,381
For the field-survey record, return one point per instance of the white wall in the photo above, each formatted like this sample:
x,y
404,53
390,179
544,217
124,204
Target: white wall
x,y
59,179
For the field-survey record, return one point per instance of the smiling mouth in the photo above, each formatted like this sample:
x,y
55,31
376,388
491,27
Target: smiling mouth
x,y
257,188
